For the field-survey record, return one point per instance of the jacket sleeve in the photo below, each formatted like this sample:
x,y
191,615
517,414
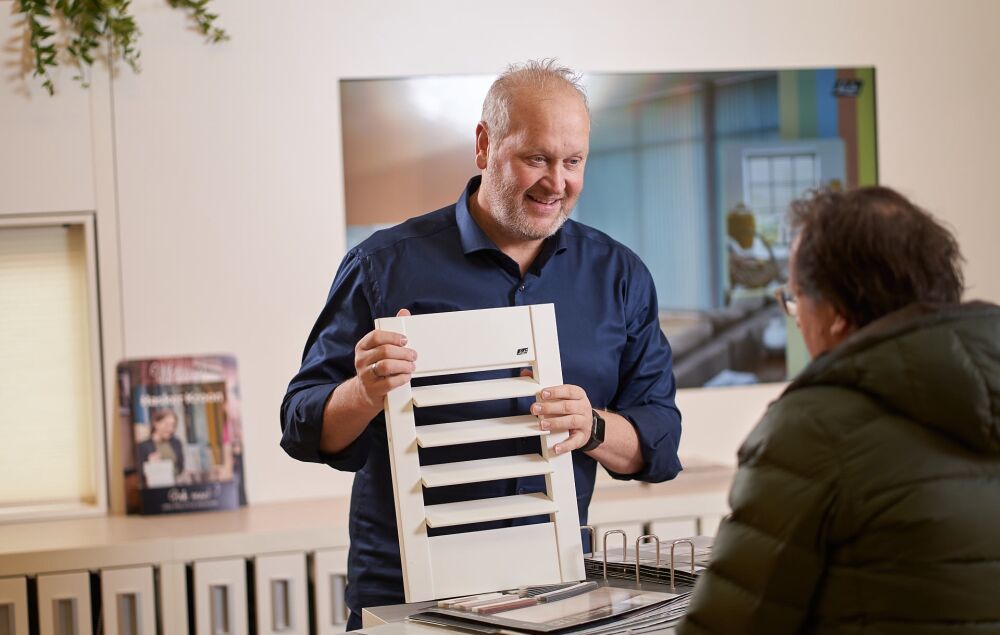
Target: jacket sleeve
x,y
769,556
646,383
327,362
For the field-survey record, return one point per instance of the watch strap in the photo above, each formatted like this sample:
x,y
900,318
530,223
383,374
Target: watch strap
x,y
596,433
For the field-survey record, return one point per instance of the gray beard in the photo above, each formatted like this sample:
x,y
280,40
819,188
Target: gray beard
x,y
514,220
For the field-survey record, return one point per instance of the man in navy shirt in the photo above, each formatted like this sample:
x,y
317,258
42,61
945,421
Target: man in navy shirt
x,y
507,241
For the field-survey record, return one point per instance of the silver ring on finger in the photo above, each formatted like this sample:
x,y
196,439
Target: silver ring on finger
x,y
375,371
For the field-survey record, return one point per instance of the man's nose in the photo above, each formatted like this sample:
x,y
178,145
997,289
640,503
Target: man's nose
x,y
555,178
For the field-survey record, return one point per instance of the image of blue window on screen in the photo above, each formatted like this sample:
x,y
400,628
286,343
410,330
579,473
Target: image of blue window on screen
x,y
694,171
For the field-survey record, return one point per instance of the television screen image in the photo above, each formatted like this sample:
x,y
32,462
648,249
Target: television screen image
x,y
694,171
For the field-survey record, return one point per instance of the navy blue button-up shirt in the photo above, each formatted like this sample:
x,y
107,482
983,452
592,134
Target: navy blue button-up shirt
x,y
610,343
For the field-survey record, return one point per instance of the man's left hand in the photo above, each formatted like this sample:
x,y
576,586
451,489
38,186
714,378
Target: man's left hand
x,y
565,408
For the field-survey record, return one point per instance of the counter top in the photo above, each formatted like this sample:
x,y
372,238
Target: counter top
x,y
307,525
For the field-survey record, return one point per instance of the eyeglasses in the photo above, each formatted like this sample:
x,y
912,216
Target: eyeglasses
x,y
787,301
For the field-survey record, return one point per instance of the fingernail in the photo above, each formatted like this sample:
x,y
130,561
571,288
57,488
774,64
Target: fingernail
x,y
402,341
546,394
545,425
557,449
536,409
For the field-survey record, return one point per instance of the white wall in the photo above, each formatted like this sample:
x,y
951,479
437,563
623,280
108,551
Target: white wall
x,y
229,176
46,163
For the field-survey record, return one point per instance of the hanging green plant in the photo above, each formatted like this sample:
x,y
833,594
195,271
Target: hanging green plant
x,y
87,24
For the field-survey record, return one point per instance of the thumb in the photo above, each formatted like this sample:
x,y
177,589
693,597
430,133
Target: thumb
x,y
403,313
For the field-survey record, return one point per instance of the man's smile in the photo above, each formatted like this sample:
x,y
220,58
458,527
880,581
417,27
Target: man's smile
x,y
547,203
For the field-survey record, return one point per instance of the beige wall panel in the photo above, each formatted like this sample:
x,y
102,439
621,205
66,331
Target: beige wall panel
x,y
282,594
173,598
56,155
128,601
220,597
329,576
64,604
230,222
46,164
14,605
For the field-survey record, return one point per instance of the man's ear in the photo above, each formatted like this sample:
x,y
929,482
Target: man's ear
x,y
840,327
482,145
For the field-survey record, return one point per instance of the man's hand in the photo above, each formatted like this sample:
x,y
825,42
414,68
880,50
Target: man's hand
x,y
567,408
564,408
382,363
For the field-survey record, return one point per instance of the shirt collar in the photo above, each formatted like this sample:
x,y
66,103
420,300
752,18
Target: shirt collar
x,y
475,239
472,235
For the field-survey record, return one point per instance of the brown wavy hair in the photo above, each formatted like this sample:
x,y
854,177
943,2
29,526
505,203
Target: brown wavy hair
x,y
870,251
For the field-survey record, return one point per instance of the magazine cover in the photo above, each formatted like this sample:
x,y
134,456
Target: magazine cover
x,y
180,428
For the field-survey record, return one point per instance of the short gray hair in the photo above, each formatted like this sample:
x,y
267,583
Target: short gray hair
x,y
535,74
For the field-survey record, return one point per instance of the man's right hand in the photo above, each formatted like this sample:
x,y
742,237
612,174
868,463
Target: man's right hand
x,y
382,362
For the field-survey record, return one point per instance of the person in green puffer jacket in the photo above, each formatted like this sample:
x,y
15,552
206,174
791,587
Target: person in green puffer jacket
x,y
867,499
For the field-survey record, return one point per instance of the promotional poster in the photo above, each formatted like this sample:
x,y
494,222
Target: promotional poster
x,y
181,432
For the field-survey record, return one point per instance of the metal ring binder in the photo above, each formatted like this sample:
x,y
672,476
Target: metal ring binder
x,y
624,548
638,541
673,545
593,537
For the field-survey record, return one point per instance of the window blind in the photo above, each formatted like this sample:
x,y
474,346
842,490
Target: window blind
x,y
47,411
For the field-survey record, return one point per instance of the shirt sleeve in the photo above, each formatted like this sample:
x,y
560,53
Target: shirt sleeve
x,y
646,384
327,362
768,557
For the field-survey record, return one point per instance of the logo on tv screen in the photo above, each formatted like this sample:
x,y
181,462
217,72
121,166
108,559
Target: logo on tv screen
x,y
847,87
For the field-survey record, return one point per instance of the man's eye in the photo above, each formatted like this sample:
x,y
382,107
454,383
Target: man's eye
x,y
537,160
574,162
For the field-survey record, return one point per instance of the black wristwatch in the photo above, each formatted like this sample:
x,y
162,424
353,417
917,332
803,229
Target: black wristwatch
x,y
596,433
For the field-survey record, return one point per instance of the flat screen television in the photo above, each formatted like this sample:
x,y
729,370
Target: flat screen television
x,y
694,171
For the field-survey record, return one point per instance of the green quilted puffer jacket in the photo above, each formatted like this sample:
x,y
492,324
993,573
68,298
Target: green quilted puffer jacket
x,y
867,499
